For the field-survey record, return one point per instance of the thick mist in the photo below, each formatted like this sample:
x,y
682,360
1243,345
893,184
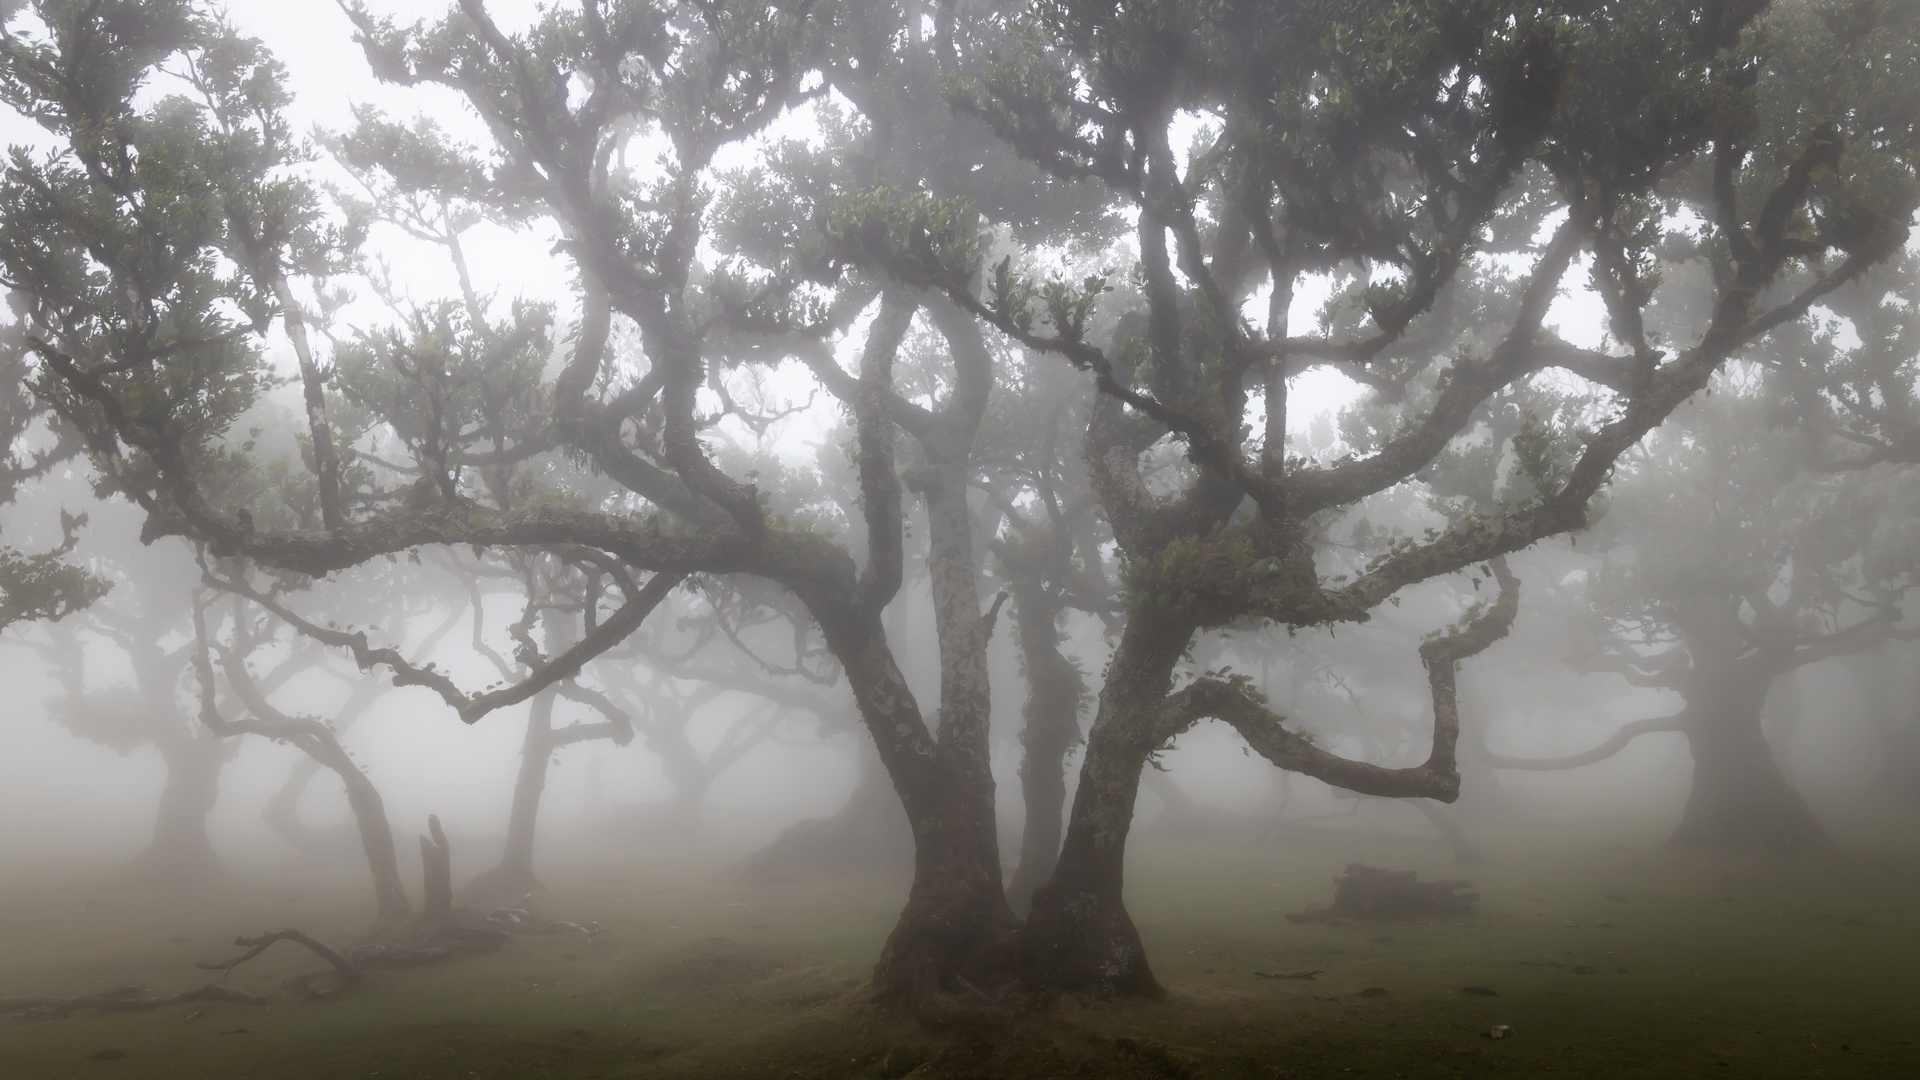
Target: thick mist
x,y
941,539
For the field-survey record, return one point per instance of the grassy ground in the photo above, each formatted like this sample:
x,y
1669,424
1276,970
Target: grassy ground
x,y
1604,962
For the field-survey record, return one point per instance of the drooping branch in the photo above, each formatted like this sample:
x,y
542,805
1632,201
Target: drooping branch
x,y
1614,744
1436,778
405,672
471,707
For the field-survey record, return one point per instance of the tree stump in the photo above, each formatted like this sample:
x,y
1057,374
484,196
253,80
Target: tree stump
x,y
436,863
1368,892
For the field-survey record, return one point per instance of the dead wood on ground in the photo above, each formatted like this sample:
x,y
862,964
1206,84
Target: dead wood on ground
x,y
120,999
1369,892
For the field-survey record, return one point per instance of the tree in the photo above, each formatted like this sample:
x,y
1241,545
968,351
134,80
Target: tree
x,y
1397,149
563,602
152,630
254,620
1733,560
1395,143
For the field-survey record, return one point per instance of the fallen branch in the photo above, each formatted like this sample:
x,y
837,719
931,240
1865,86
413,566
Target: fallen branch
x,y
120,999
347,973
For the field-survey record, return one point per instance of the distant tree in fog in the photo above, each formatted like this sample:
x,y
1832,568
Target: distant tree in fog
x,y
148,622
1730,563
234,699
1774,524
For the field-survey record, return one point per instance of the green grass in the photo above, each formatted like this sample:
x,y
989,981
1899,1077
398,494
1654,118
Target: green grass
x,y
1710,968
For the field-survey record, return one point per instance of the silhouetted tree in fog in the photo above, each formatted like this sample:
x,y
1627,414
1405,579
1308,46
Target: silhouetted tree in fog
x,y
1733,567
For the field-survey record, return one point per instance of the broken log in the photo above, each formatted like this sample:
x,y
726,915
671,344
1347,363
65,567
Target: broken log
x,y
120,999
1370,893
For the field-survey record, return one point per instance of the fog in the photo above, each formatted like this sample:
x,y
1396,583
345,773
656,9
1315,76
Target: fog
x,y
959,539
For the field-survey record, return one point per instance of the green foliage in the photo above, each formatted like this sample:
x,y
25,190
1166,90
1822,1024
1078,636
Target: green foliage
x,y
144,256
43,585
917,238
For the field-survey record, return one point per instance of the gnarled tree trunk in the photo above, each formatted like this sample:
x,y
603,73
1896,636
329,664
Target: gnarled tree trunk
x,y
1079,935
1739,796
956,924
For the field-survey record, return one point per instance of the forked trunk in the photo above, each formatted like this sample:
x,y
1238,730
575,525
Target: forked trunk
x,y
1079,936
1739,796
956,934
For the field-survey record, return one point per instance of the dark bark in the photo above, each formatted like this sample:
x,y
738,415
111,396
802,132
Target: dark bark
x,y
317,741
1739,796
1079,935
1051,730
957,928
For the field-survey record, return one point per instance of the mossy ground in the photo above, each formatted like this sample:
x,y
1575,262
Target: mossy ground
x,y
1699,967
